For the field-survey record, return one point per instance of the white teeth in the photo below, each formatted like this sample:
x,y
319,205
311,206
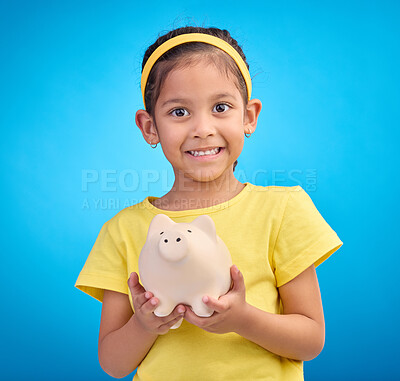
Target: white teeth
x,y
208,152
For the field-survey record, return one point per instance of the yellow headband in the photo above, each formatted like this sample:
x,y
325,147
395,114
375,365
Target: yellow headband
x,y
195,37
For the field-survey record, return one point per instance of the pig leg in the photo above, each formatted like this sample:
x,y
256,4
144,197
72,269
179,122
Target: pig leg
x,y
200,309
165,306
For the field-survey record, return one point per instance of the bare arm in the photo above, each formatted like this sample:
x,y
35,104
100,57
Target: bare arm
x,y
125,337
298,333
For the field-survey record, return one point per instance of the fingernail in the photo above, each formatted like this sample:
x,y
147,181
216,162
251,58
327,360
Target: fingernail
x,y
205,299
147,295
181,310
153,302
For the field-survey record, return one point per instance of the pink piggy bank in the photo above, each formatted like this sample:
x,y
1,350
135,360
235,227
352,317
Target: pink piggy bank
x,y
182,262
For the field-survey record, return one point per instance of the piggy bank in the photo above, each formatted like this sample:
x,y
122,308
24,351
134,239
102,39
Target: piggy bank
x,y
182,262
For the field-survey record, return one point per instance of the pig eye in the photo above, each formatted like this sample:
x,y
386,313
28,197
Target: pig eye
x,y
161,233
189,231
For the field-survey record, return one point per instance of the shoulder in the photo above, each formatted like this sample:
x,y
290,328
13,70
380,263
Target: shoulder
x,y
266,202
130,217
273,194
274,189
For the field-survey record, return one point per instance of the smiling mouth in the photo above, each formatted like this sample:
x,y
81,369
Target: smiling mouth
x,y
209,152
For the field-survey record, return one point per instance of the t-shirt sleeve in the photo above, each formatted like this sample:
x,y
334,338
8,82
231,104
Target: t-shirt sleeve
x,y
304,237
106,265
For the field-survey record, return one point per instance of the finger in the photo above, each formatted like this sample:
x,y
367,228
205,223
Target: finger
x,y
142,298
150,306
237,278
192,318
177,313
164,328
139,294
134,285
218,305
202,322
179,310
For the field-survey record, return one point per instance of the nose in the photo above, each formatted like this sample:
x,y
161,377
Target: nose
x,y
203,126
173,246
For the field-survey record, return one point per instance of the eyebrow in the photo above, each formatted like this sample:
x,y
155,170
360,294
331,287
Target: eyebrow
x,y
183,100
223,95
175,100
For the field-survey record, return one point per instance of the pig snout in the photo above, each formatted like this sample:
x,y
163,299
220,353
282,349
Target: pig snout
x,y
173,246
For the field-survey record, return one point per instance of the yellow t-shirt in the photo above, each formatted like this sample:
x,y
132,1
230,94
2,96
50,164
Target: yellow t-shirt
x,y
273,234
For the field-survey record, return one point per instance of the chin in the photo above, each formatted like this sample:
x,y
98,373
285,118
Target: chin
x,y
205,176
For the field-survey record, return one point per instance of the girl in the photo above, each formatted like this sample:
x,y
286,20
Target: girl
x,y
196,90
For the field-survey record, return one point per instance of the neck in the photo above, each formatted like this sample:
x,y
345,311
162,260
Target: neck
x,y
187,193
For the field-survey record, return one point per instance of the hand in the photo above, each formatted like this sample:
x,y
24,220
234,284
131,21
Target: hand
x,y
228,308
145,303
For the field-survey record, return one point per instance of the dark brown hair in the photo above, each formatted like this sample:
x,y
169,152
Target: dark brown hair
x,y
173,59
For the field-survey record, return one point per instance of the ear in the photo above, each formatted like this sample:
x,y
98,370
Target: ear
x,y
158,224
206,224
147,126
253,110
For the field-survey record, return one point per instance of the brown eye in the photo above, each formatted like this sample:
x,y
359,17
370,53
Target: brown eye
x,y
221,107
179,112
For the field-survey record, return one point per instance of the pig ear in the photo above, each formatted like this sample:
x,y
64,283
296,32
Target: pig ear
x,y
159,223
206,224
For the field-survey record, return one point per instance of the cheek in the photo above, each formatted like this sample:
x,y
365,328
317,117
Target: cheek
x,y
171,145
238,135
165,135
240,142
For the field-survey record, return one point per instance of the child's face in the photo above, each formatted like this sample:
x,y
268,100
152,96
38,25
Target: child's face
x,y
200,109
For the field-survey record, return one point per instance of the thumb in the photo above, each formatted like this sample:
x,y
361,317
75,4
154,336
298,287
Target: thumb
x,y
238,280
134,285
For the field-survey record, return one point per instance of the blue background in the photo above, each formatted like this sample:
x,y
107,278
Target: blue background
x,y
72,157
